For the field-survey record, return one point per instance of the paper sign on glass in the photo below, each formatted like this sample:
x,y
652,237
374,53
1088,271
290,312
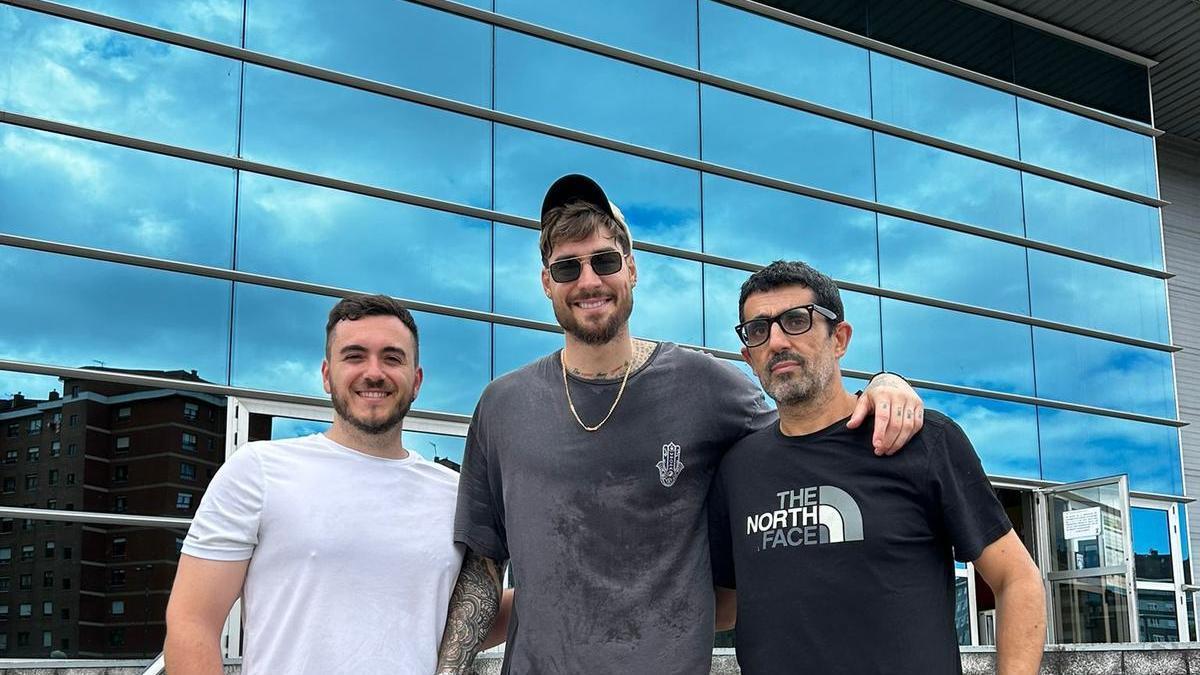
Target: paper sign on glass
x,y
1081,523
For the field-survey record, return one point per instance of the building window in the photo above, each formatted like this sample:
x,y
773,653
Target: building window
x,y
66,553
25,609
11,457
5,555
49,549
4,636
13,430
191,412
70,479
5,584
66,582
183,501
187,471
118,607
124,413
118,547
35,426
71,449
23,639
65,615
120,504
6,525
55,448
189,442
48,579
179,544
52,477
33,454
117,577
74,391
3,612
116,637
73,420
25,582
47,638
47,608
56,421
27,552
31,481
10,484
122,443
121,473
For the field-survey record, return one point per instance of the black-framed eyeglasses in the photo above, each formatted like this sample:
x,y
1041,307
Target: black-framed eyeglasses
x,y
794,321
603,264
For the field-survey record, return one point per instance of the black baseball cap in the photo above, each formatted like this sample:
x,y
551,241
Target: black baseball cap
x,y
578,186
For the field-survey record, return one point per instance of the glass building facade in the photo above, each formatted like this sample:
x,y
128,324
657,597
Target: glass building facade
x,y
185,188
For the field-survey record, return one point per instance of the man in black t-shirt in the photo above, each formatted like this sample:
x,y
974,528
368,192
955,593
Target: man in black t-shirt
x,y
843,562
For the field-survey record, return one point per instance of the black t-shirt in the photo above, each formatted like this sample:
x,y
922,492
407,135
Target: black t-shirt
x,y
843,561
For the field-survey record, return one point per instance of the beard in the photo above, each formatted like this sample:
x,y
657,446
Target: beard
x,y
367,427
799,386
595,334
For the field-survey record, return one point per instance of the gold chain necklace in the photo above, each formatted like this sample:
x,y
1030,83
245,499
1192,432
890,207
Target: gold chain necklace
x,y
628,367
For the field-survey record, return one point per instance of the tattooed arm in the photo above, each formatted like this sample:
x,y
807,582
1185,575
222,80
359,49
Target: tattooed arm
x,y
473,608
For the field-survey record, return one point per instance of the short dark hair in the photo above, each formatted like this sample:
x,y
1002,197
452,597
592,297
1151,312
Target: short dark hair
x,y
355,307
782,273
575,221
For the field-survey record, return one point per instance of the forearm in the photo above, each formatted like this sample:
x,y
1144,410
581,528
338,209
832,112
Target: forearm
x,y
192,649
1020,627
474,605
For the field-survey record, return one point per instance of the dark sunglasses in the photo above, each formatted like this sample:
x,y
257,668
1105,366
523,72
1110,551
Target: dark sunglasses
x,y
603,264
794,321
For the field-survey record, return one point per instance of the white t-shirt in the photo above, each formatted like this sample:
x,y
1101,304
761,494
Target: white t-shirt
x,y
352,557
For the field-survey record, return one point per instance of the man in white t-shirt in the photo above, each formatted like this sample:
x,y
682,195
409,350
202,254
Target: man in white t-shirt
x,y
340,543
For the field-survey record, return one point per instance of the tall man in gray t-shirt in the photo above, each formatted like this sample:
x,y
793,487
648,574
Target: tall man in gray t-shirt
x,y
589,469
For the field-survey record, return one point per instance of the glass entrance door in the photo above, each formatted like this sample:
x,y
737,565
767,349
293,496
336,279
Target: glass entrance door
x,y
1087,562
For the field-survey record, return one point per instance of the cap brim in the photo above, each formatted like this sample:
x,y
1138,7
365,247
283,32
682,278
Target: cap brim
x,y
576,186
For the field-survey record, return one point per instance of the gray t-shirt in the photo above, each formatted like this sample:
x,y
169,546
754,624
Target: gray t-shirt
x,y
606,531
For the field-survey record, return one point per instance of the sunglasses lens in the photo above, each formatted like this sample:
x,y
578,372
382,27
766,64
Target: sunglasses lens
x,y
565,270
604,264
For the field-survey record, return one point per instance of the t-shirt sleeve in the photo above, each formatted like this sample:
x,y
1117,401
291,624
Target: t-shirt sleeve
x,y
720,543
479,518
740,397
970,511
226,524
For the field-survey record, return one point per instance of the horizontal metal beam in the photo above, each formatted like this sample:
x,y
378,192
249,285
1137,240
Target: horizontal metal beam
x,y
470,211
92,517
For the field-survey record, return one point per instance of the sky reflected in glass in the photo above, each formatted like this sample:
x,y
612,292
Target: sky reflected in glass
x,y
1078,446
80,192
1105,374
939,183
1004,434
218,20
773,140
661,202
758,224
664,29
542,80
929,260
748,47
517,347
366,244
944,106
1086,294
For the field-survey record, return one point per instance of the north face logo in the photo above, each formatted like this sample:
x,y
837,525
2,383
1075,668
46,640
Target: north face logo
x,y
670,466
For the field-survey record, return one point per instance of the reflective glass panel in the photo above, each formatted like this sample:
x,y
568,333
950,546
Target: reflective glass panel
x,y
774,140
399,43
517,275
80,192
90,591
1093,609
219,20
661,202
1157,617
75,73
1078,218
939,183
290,427
1094,296
1004,434
955,348
1087,148
620,100
516,347
367,244
722,287
941,105
748,47
84,313
279,341
1152,546
664,29
962,610
365,137
758,224
929,260
1105,374
1078,446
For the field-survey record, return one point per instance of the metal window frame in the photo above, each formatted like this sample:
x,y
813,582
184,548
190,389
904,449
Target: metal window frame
x,y
1176,585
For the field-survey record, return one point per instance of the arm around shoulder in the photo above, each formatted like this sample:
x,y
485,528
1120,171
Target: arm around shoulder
x,y
1020,604
201,598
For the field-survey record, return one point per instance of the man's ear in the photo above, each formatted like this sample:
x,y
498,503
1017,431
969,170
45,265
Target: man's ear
x,y
546,281
841,334
325,376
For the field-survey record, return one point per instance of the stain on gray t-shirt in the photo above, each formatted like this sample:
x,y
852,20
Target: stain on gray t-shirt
x,y
606,531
